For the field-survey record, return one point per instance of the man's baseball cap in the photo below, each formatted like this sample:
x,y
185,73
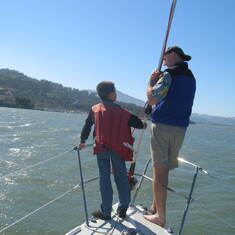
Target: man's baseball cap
x,y
179,52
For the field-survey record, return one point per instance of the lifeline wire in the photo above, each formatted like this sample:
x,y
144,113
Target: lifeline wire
x,y
199,168
216,216
36,164
41,162
33,212
48,203
92,179
55,199
206,173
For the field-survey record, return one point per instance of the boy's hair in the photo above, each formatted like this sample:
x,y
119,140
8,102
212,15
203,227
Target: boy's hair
x,y
104,89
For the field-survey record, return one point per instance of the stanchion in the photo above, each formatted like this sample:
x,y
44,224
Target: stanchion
x,y
82,185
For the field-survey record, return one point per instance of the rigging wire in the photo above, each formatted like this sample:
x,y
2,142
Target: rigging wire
x,y
196,202
202,170
34,211
94,178
205,172
46,204
36,164
41,162
216,216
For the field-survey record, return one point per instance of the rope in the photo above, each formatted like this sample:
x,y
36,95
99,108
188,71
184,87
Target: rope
x,y
36,164
136,151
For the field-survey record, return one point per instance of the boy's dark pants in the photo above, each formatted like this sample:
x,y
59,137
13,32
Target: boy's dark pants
x,y
104,159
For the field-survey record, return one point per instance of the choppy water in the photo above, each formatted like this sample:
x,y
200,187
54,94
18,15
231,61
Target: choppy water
x,y
28,137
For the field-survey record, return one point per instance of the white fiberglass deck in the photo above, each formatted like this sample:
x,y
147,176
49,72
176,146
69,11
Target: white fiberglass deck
x,y
134,221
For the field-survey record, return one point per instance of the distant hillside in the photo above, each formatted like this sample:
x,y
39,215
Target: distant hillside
x,y
128,99
125,98
210,119
19,90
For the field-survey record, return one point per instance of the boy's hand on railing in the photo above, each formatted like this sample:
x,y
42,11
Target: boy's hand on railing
x,y
81,146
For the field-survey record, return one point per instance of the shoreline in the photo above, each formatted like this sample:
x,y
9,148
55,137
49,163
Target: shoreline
x,y
48,110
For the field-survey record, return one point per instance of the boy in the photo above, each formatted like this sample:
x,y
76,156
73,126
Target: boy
x,y
113,143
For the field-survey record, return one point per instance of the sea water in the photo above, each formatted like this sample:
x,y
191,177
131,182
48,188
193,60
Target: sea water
x,y
29,136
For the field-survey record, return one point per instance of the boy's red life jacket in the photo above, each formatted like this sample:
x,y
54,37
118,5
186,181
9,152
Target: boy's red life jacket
x,y
112,130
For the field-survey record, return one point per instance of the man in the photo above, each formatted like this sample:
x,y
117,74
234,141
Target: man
x,y
172,94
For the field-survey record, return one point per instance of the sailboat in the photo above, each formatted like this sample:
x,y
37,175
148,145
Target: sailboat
x,y
134,222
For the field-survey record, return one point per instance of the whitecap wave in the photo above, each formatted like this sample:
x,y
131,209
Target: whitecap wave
x,y
14,150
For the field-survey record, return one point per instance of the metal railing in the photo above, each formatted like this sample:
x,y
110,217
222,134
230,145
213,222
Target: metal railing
x,y
142,177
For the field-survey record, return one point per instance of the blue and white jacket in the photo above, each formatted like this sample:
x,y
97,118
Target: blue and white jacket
x,y
176,107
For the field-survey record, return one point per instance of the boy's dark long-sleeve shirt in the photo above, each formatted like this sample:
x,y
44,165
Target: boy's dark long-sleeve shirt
x,y
134,121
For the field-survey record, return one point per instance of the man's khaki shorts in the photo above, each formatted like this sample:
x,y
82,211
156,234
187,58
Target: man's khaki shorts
x,y
166,141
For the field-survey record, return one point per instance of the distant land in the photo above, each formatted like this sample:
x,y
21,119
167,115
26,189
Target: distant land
x,y
20,91
210,119
125,98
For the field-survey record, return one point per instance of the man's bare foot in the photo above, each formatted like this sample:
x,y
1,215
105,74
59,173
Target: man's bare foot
x,y
152,210
155,219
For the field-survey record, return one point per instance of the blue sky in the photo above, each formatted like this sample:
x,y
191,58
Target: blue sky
x,y
78,43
